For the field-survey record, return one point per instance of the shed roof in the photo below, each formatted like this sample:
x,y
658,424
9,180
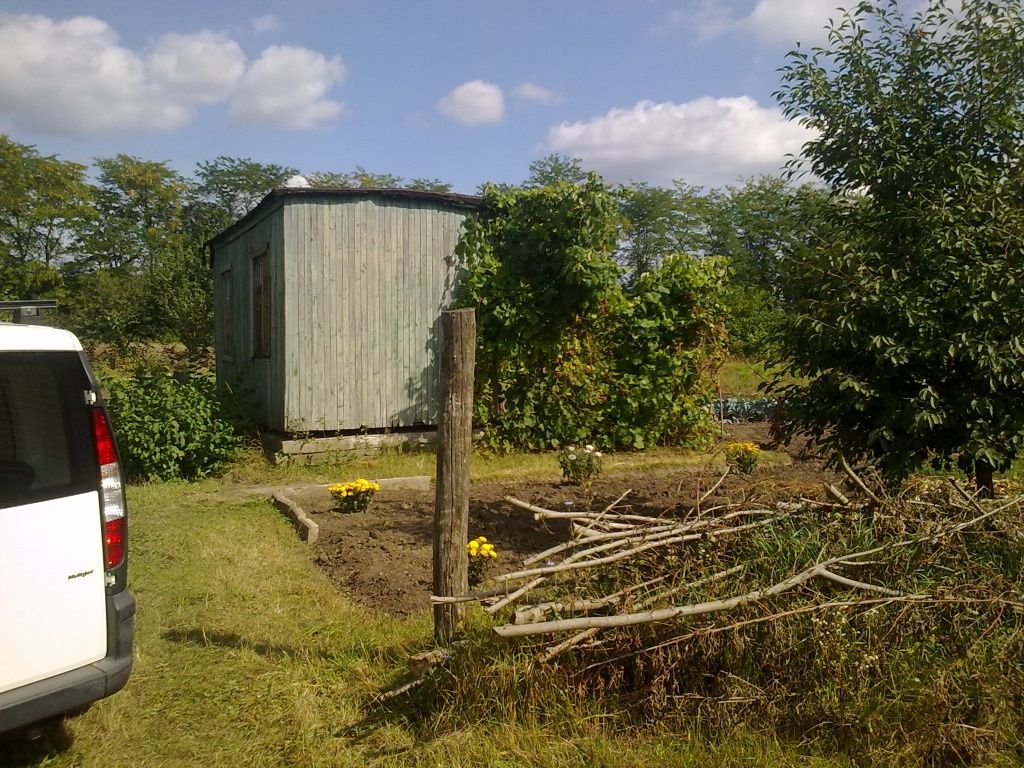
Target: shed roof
x,y
449,199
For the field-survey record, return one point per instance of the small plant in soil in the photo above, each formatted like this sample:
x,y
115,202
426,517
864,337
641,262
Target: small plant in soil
x,y
743,456
482,555
580,466
354,496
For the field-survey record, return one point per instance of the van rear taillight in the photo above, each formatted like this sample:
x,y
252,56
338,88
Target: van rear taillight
x,y
113,539
111,490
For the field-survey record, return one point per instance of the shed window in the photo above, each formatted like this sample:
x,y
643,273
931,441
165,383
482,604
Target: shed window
x,y
261,304
227,315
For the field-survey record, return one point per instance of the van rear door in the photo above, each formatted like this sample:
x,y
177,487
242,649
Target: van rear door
x,y
52,591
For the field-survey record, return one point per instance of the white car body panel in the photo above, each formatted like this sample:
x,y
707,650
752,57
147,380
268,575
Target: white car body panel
x,y
52,605
28,338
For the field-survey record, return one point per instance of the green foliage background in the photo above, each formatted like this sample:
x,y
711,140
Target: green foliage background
x,y
565,353
170,425
906,322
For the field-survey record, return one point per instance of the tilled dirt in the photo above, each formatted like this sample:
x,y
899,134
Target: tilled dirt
x,y
382,557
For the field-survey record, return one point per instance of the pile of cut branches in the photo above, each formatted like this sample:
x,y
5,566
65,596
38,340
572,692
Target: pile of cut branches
x,y
875,612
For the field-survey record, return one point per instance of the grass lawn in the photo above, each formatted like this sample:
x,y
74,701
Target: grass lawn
x,y
247,656
741,378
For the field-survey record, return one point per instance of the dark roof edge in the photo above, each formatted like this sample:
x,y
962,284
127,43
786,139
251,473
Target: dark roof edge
x,y
450,199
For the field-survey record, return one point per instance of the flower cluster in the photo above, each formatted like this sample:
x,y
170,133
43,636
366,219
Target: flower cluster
x,y
579,465
481,555
354,496
743,456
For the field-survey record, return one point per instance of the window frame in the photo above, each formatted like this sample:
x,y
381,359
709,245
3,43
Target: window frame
x,y
227,316
261,304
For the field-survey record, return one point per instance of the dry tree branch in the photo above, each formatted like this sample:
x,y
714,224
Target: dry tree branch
x,y
531,613
652,542
574,543
711,490
662,614
555,650
818,570
836,494
510,598
612,506
871,601
858,482
540,513
485,594
858,584
637,533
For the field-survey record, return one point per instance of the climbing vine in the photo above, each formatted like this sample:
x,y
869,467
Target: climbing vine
x,y
565,354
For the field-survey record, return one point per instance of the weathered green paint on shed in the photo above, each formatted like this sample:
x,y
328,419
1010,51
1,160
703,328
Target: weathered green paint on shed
x,y
358,282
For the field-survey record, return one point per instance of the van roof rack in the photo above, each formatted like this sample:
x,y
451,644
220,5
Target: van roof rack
x,y
29,304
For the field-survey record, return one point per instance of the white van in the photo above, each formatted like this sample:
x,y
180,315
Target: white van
x,y
66,616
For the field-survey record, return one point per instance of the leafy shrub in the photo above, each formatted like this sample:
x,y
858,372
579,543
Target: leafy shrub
x,y
565,354
580,465
170,425
753,320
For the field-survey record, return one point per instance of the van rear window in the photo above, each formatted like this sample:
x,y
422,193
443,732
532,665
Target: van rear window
x,y
45,436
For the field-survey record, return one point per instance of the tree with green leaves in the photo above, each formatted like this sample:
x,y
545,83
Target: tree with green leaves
x,y
565,354
360,178
755,226
429,185
142,274
660,221
907,319
227,188
139,206
44,205
555,168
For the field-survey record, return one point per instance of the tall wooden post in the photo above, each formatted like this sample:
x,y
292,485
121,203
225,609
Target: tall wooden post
x,y
454,442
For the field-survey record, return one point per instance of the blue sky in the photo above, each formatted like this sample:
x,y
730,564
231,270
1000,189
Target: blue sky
x,y
464,91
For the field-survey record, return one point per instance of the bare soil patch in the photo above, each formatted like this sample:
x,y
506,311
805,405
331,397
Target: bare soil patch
x,y
382,557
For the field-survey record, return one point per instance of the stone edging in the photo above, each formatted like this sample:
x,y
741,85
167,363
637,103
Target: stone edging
x,y
308,530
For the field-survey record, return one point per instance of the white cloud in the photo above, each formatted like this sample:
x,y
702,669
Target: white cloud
x,y
770,21
287,87
263,24
789,21
531,93
474,103
74,78
204,67
705,142
708,18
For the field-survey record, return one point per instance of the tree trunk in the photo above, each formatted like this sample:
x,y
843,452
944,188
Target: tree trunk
x,y
983,479
454,442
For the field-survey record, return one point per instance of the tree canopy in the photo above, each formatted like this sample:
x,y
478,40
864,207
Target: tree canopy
x,y
907,317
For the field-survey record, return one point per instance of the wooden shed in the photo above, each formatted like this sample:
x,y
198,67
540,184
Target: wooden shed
x,y
327,304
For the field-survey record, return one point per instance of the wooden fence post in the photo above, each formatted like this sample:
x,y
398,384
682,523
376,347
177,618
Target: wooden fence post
x,y
454,442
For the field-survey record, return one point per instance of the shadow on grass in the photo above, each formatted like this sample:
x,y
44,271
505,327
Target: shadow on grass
x,y
204,637
35,743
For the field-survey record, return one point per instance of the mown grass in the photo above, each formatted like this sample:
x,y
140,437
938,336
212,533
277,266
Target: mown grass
x,y
742,377
486,466
247,656
739,377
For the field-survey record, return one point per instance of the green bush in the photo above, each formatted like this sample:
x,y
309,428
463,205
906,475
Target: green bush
x,y
753,321
564,353
170,425
580,466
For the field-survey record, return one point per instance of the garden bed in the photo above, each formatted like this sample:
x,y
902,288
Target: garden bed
x,y
382,558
